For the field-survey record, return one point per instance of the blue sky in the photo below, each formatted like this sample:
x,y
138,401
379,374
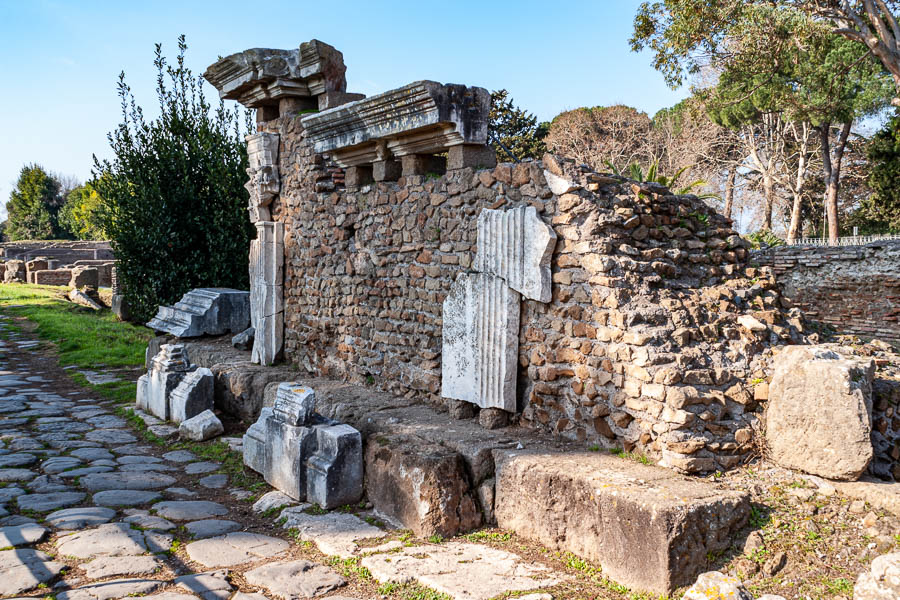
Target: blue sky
x,y
59,60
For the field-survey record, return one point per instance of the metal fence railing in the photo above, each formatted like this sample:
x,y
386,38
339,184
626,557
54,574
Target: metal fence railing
x,y
855,240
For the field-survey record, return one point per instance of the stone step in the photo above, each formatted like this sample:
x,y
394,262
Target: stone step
x,y
649,528
205,311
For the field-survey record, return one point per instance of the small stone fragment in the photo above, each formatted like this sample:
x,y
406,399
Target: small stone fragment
x,y
202,427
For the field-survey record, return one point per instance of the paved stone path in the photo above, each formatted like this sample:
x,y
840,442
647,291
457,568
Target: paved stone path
x,y
88,511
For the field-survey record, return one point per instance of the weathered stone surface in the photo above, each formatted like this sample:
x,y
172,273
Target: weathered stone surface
x,y
462,571
51,501
881,581
295,579
145,520
209,585
480,341
208,528
97,482
82,299
189,510
204,426
294,404
267,292
516,245
271,500
717,586
262,76
264,183
180,456
121,565
167,369
25,569
421,485
818,418
193,395
255,443
648,528
19,535
111,590
234,549
287,450
124,497
79,518
421,118
16,475
334,474
111,539
244,340
334,533
204,311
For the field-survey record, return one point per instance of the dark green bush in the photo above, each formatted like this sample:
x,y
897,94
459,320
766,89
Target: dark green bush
x,y
174,203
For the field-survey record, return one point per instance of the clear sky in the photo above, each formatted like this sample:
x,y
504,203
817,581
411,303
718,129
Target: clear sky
x,y
59,60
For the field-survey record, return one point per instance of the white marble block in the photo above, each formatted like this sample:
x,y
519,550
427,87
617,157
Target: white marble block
x,y
294,404
335,472
264,183
255,455
167,369
481,341
192,396
267,292
516,245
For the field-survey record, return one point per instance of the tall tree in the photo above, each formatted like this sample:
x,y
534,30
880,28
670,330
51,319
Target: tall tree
x,y
880,211
773,60
80,215
516,129
33,206
603,135
174,203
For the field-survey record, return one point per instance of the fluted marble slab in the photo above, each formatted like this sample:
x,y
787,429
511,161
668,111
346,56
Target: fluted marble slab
x,y
516,245
481,341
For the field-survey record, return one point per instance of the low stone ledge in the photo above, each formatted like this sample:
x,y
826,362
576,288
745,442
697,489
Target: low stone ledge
x,y
649,528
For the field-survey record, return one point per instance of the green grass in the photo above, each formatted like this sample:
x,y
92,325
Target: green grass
x,y
83,338
493,536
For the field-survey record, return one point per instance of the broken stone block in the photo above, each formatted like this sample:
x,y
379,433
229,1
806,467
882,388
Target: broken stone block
x,y
78,297
260,77
481,341
15,271
421,118
717,585
422,485
244,340
474,156
881,581
167,369
193,395
266,292
85,277
264,183
335,472
143,390
204,311
516,245
204,426
288,447
819,416
294,404
649,528
255,442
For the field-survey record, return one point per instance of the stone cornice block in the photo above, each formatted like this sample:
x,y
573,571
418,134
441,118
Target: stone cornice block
x,y
262,76
424,117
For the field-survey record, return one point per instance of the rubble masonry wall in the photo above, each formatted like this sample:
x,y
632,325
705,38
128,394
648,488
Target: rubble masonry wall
x,y
639,348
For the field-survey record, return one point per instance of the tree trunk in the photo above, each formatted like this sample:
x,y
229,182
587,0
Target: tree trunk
x,y
729,190
769,192
831,166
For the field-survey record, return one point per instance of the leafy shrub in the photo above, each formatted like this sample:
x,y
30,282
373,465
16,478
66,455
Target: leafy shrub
x,y
80,215
764,238
174,205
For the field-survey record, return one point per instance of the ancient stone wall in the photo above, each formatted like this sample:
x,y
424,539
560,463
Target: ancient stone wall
x,y
854,289
656,331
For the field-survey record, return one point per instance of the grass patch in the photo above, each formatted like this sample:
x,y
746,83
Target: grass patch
x,y
350,567
490,536
635,456
83,338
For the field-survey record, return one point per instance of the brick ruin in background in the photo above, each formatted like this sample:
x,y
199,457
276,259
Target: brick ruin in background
x,y
641,326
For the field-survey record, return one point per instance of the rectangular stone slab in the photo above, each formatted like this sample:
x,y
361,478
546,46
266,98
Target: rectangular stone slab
x,y
480,341
288,450
649,528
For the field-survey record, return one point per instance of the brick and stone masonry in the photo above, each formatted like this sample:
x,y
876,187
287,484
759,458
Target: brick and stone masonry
x,y
854,289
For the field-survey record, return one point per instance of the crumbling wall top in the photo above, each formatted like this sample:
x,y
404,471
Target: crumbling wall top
x,y
262,76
